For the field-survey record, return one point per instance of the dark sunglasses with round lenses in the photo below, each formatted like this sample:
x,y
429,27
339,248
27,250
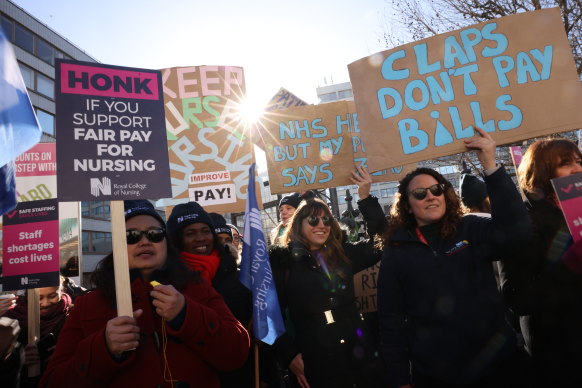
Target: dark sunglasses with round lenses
x,y
437,190
154,235
314,221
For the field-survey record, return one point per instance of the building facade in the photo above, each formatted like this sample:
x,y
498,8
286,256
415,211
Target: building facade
x,y
36,47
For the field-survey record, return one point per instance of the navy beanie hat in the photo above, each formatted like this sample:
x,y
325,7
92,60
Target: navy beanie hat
x,y
139,207
185,214
291,200
220,225
472,190
231,226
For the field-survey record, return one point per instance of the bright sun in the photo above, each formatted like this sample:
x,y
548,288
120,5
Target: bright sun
x,y
251,110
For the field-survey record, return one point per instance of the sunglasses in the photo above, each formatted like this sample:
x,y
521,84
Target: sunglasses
x,y
155,235
437,190
314,221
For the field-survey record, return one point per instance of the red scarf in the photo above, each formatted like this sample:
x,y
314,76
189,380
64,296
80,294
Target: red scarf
x,y
207,265
51,319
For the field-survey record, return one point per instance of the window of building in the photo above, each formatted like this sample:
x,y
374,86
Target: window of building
x,y
24,39
46,121
327,97
447,169
7,27
27,75
96,209
60,54
101,241
344,94
96,242
45,85
45,51
85,241
389,192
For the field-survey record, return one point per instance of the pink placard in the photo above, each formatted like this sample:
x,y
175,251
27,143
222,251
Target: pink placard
x,y
40,160
106,81
569,192
31,248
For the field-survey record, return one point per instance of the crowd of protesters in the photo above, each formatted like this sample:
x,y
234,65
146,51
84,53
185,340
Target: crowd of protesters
x,y
444,320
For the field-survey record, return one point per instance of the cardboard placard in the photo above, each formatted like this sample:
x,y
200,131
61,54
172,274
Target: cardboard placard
x,y
110,126
316,146
284,99
365,285
36,179
569,192
209,152
30,246
420,100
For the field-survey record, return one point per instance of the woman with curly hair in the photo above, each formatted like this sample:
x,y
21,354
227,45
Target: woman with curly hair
x,y
544,284
441,317
327,343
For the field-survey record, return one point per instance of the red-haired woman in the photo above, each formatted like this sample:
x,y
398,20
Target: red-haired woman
x,y
544,283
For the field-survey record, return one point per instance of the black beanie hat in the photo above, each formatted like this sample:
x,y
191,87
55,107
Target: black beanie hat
x,y
138,207
472,190
291,200
185,214
220,225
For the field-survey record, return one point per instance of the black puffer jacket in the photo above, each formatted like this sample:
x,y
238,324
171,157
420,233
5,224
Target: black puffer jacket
x,y
337,354
439,309
548,297
226,282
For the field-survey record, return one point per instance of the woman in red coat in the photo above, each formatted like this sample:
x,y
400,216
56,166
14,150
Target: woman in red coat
x,y
181,333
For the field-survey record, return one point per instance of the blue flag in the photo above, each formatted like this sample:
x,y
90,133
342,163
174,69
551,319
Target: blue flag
x,y
19,129
256,274
7,188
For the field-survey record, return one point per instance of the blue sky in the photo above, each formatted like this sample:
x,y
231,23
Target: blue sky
x,y
295,44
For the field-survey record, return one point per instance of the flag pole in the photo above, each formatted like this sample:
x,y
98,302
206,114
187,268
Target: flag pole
x,y
257,374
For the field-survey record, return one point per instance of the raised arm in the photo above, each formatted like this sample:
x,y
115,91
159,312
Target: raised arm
x,y
369,206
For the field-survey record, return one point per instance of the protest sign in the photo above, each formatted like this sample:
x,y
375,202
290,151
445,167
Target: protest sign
x,y
315,146
282,100
110,126
36,173
209,153
419,101
30,249
365,285
569,192
36,179
516,155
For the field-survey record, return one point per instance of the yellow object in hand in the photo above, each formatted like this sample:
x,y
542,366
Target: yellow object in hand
x,y
154,283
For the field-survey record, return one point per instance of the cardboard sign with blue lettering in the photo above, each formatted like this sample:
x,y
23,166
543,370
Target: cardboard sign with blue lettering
x,y
514,77
316,146
111,131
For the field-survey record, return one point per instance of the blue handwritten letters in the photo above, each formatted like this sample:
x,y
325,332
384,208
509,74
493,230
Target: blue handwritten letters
x,y
420,100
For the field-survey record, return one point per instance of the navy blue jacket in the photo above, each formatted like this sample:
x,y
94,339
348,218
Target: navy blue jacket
x,y
439,308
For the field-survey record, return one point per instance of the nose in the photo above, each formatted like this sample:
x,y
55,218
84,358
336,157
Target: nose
x,y
429,195
577,168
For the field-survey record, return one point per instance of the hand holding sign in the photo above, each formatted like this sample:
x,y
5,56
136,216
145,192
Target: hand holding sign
x,y
362,178
484,147
122,334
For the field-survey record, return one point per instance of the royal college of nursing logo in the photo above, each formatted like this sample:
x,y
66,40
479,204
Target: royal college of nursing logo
x,y
99,187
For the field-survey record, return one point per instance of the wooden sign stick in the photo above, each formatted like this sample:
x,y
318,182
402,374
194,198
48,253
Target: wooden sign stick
x,y
33,325
120,260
